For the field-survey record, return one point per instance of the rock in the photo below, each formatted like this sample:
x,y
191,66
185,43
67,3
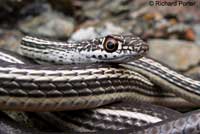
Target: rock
x,y
10,7
179,55
118,7
92,32
10,39
152,16
177,28
190,18
190,34
12,11
34,9
194,73
182,31
197,31
104,9
65,6
49,24
85,33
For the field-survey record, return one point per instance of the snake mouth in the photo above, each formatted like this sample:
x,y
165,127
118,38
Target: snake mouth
x,y
122,59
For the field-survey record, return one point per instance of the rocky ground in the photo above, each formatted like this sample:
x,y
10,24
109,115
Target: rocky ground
x,y
173,33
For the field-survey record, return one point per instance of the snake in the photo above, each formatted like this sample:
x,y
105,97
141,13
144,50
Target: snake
x,y
90,74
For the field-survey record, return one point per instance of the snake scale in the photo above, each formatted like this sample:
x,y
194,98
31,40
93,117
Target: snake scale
x,y
114,71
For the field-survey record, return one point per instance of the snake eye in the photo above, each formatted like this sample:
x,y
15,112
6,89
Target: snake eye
x,y
110,45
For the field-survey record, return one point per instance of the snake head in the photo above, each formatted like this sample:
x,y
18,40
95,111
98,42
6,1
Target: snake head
x,y
118,48
111,48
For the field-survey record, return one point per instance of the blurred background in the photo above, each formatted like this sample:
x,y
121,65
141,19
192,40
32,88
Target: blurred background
x,y
173,32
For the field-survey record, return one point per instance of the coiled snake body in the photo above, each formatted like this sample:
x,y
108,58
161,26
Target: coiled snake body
x,y
80,86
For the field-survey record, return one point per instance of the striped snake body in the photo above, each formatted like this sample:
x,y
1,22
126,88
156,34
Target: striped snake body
x,y
68,87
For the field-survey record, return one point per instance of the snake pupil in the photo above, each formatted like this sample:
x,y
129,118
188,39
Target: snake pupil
x,y
110,45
